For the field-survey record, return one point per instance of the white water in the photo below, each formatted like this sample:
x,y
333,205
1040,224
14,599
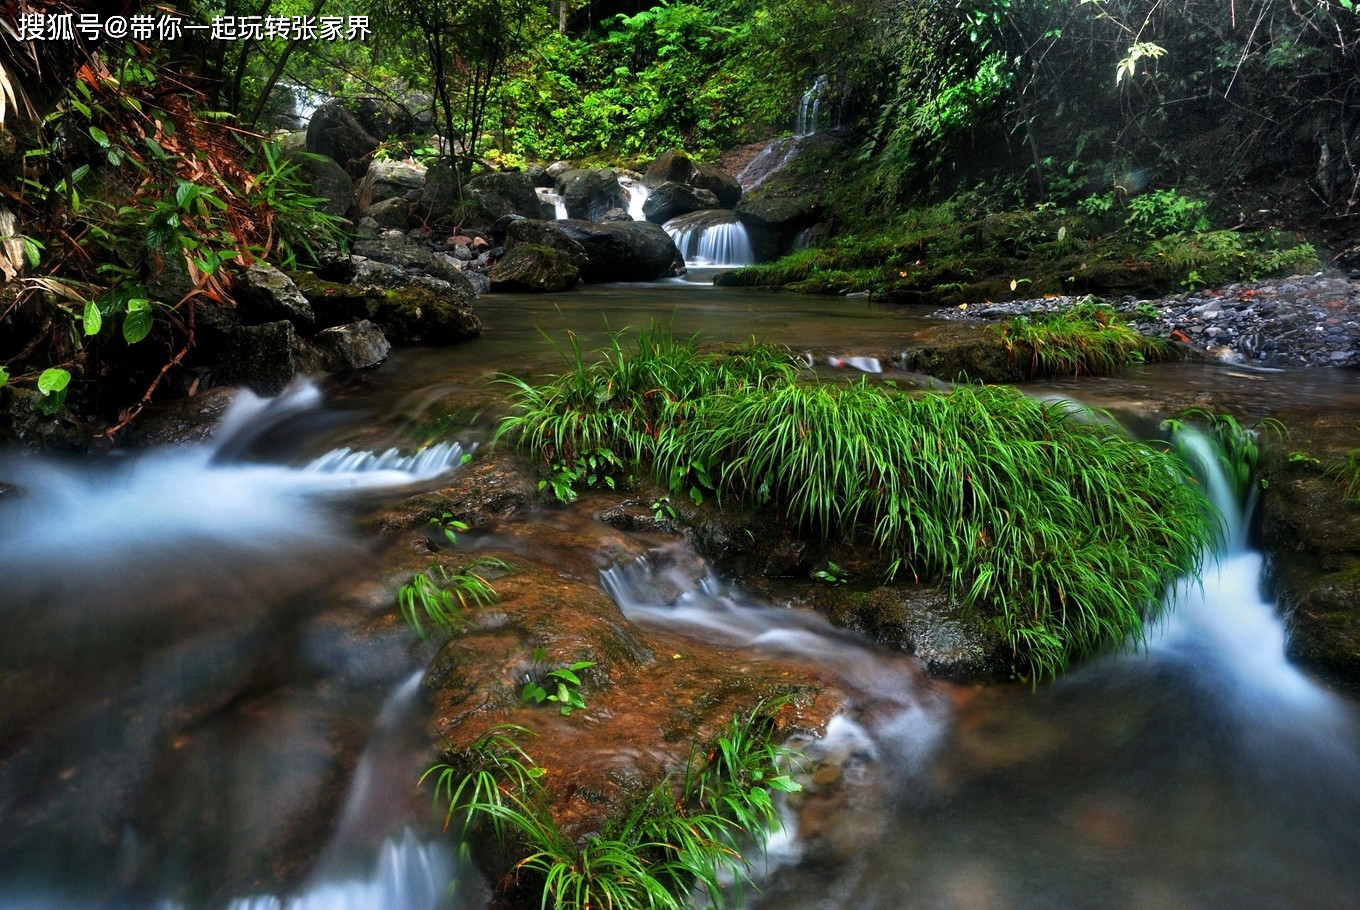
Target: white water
x,y
856,362
636,193
809,109
711,237
771,160
555,200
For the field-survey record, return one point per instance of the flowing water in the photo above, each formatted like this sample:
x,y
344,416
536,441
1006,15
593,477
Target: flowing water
x,y
203,701
711,237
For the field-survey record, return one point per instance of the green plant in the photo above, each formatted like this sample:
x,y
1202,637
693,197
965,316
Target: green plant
x,y
671,841
449,526
441,596
561,686
832,574
1086,339
1162,212
588,469
1304,458
301,225
662,510
1347,474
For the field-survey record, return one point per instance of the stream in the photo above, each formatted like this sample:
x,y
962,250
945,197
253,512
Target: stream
x,y
204,701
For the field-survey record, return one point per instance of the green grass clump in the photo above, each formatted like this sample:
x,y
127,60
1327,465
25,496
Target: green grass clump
x,y
1347,474
1060,527
1087,339
675,838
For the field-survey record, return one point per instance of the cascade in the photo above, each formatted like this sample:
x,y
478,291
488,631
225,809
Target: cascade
x,y
809,108
711,237
770,160
554,199
636,193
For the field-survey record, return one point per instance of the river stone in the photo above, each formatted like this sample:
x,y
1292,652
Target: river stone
x,y
382,118
670,200
774,216
356,346
393,249
263,358
388,180
531,268
265,292
427,311
672,166
624,250
718,182
508,193
588,193
341,137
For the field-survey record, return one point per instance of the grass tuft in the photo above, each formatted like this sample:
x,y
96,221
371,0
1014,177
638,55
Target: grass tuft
x,y
1087,339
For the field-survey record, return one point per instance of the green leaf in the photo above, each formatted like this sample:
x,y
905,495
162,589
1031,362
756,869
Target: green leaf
x,y
696,496
137,323
4,376
99,136
52,380
185,193
93,319
32,252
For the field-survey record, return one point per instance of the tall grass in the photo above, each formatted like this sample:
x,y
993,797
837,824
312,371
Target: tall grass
x,y
1084,340
1060,529
670,842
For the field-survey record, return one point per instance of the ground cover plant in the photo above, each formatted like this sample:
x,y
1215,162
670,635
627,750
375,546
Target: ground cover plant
x,y
1058,527
682,834
1088,339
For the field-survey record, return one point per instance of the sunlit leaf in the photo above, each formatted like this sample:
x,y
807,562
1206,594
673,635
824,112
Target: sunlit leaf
x,y
53,379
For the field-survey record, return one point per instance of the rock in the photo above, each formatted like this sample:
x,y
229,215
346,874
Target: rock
x,y
390,180
395,250
624,250
540,176
589,193
670,167
773,217
545,233
614,215
480,283
390,214
21,423
557,169
382,118
426,313
329,182
340,136
263,358
509,193
669,200
356,346
264,292
166,276
372,273
179,421
536,269
720,183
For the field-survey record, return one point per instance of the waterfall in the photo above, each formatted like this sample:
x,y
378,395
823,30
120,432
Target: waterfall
x,y
554,199
636,193
809,108
770,160
711,237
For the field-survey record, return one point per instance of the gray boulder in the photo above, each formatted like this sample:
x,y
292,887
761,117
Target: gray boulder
x,y
340,136
530,268
720,183
774,216
356,346
264,358
670,200
477,203
624,250
392,248
389,180
676,167
589,193
329,182
545,233
266,294
390,214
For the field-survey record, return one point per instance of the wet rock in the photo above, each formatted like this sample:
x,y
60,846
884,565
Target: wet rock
x,y
545,233
21,423
265,293
427,312
774,214
390,180
414,259
533,269
589,193
481,494
330,183
389,214
676,167
336,133
181,421
509,193
672,166
625,250
670,200
356,346
263,358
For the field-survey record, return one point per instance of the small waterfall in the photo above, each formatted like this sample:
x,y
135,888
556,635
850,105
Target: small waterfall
x,y
863,364
636,192
810,108
772,158
547,195
711,237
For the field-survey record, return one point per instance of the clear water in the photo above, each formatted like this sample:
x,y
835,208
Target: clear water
x,y
187,643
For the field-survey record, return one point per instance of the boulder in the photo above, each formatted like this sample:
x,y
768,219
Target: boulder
x,y
720,183
340,136
624,250
329,182
774,217
427,311
482,199
557,169
266,294
393,249
588,193
545,233
390,214
531,268
389,180
670,167
263,358
382,118
356,346
669,200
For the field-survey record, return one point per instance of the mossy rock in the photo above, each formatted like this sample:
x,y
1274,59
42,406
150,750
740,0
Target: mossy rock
x,y
534,269
421,314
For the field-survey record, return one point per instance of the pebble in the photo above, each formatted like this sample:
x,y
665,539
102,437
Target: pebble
x,y
1300,321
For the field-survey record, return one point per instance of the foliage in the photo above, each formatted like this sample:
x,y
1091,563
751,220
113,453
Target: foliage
x,y
1237,447
1061,527
442,596
1347,474
1087,339
672,840
562,686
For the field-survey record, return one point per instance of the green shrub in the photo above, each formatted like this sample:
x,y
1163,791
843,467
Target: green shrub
x,y
1085,340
